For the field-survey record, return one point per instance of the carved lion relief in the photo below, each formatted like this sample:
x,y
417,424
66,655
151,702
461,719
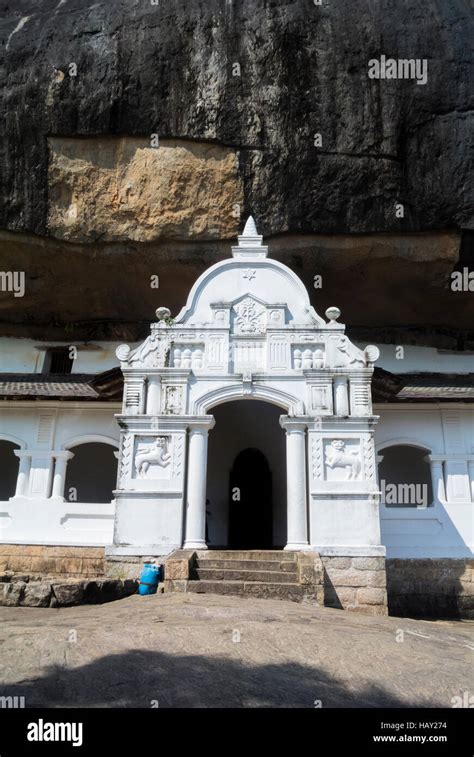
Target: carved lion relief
x,y
152,456
153,353
337,456
347,354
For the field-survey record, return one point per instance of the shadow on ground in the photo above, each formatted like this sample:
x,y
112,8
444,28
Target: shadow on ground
x,y
145,679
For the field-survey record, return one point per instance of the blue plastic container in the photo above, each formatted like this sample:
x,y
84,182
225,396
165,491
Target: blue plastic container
x,y
149,579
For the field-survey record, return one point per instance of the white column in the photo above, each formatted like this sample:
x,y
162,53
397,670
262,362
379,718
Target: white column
x,y
153,401
23,478
341,399
59,479
195,535
297,515
437,478
470,466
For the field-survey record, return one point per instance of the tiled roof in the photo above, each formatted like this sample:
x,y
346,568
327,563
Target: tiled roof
x,y
51,386
438,386
422,387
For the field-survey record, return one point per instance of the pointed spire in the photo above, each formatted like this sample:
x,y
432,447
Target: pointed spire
x,y
250,242
250,230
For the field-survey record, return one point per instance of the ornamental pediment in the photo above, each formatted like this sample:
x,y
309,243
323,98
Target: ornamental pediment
x,y
251,313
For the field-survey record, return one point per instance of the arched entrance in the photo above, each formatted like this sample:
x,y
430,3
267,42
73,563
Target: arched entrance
x,y
250,502
246,477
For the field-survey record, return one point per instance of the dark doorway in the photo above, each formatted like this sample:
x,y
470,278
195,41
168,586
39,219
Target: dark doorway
x,y
8,469
250,501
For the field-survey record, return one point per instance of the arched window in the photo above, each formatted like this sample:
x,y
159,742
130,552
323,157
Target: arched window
x,y
405,477
91,475
8,469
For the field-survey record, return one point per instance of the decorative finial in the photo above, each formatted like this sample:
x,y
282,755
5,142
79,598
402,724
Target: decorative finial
x,y
372,353
250,230
250,242
333,314
122,352
163,313
250,236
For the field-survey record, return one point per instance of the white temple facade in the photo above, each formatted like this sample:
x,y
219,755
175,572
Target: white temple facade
x,y
247,332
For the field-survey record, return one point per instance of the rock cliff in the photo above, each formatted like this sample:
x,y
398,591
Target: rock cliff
x,y
165,122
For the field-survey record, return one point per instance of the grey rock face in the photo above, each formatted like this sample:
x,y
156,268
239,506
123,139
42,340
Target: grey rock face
x,y
13,593
37,594
68,593
130,67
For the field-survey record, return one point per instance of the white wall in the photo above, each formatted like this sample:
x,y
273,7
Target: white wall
x,y
413,359
447,528
44,428
26,355
444,530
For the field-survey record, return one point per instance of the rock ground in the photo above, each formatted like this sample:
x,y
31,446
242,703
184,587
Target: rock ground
x,y
182,651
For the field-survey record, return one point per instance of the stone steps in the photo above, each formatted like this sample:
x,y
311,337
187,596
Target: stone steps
x,y
229,564
275,574
254,576
247,573
273,555
273,590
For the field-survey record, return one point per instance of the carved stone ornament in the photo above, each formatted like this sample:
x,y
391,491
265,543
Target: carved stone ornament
x,y
250,317
122,352
153,353
372,353
347,354
338,457
156,454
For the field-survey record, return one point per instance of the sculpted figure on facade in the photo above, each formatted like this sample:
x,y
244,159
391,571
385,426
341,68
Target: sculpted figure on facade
x,y
153,353
338,457
156,454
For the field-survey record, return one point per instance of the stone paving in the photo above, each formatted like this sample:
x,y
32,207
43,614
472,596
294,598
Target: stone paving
x,y
183,650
